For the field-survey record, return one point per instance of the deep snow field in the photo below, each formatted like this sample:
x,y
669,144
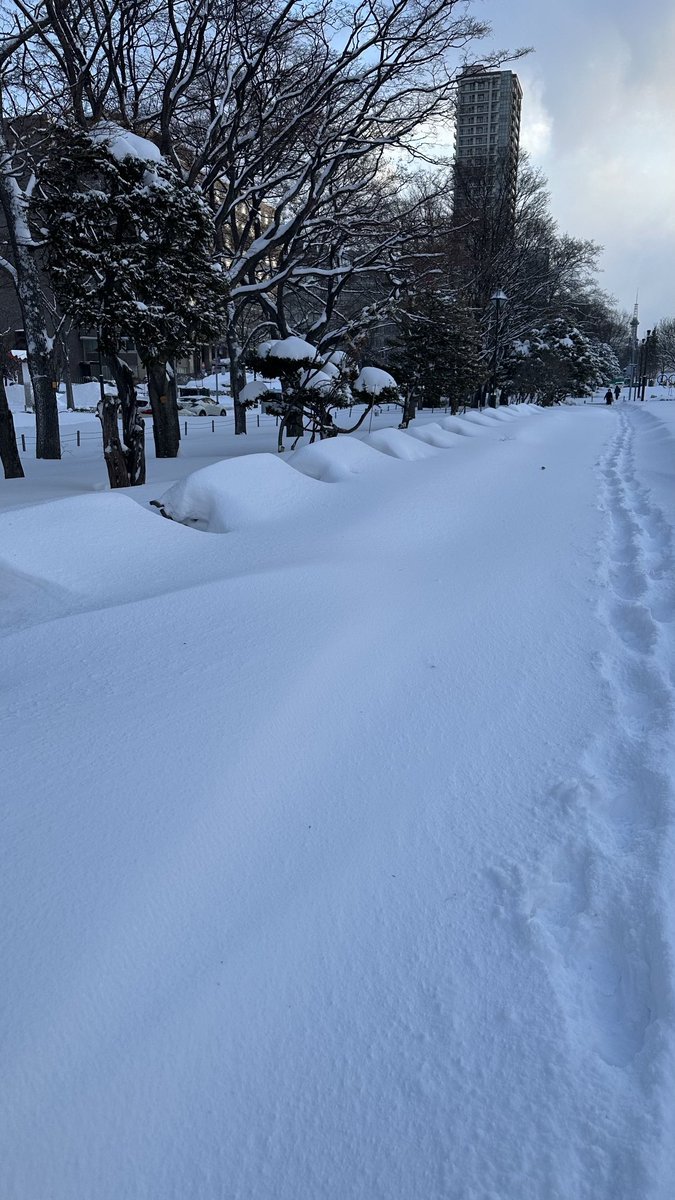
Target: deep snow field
x,y
337,823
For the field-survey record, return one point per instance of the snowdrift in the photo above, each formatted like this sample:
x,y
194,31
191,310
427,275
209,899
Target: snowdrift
x,y
92,546
398,444
434,435
236,493
460,426
335,459
478,418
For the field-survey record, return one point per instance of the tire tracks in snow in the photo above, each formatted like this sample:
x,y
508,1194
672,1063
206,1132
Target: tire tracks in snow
x,y
595,907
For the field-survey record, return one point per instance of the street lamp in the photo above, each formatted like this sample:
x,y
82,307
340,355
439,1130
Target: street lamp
x,y
497,299
645,346
649,342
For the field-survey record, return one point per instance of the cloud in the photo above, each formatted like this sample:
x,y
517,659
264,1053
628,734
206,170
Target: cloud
x,y
537,123
599,93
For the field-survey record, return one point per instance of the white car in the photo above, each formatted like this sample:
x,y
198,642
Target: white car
x,y
202,407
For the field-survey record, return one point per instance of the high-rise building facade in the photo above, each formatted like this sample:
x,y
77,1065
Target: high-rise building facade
x,y
487,136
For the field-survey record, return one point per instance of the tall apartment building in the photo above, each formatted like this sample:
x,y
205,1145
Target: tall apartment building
x,y
487,139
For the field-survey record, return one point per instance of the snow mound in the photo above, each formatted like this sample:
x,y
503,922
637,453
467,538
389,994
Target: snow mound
x,y
478,418
398,444
335,459
96,546
321,381
294,349
251,392
434,435
497,414
121,143
459,425
330,368
236,493
373,380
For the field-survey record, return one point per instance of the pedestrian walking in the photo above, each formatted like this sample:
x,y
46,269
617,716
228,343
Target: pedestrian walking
x,y
609,396
617,391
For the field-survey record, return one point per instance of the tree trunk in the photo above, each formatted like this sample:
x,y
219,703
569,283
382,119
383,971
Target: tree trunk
x,y
409,409
133,425
165,420
28,399
113,451
68,380
9,452
33,309
236,382
295,426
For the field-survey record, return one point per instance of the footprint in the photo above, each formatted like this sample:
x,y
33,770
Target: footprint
x,y
627,581
662,607
562,891
615,994
634,625
642,697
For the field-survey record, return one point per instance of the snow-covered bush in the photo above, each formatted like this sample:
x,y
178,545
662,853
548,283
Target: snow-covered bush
x,y
315,387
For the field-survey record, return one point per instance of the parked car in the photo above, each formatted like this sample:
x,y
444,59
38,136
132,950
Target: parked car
x,y
202,408
198,401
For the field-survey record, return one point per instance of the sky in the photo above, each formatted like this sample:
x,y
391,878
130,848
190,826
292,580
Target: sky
x,y
598,118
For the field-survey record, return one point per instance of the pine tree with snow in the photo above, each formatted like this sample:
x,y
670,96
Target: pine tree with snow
x,y
556,361
313,386
130,251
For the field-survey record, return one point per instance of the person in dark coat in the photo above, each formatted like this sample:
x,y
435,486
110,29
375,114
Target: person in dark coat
x,y
617,391
609,396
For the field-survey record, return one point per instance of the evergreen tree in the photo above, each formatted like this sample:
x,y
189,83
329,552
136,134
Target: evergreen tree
x,y
557,361
437,356
130,252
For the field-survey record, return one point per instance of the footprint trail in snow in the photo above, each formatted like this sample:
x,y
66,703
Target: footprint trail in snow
x,y
596,909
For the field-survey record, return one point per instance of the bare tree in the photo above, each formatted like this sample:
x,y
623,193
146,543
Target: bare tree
x,y
269,113
281,117
665,342
18,139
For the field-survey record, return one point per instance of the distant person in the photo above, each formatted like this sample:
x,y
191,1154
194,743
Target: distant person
x,y
617,391
609,396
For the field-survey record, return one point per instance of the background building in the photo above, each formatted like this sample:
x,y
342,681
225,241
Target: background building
x,y
487,139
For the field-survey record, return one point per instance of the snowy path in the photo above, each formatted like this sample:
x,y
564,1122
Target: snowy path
x,y
349,878
599,912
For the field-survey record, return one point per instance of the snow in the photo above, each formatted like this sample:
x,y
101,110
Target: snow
x,y
336,459
252,391
399,444
373,381
293,349
314,378
459,425
337,847
122,143
330,368
435,435
238,492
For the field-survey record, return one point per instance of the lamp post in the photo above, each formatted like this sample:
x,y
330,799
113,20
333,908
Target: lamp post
x,y
497,299
644,361
633,352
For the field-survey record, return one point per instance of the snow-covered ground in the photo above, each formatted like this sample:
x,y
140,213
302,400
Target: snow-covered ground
x,y
337,848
